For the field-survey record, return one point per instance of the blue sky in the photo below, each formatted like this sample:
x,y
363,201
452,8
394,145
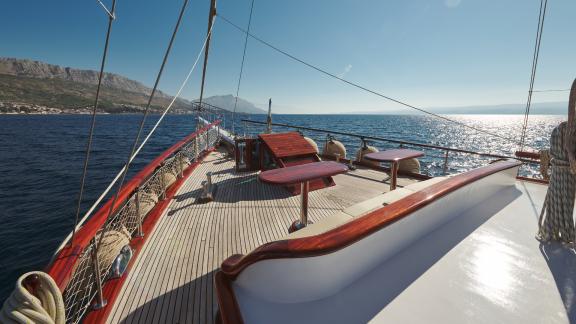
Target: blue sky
x,y
429,53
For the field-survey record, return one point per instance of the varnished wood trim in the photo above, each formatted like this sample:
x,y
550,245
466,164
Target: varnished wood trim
x,y
227,303
528,155
342,236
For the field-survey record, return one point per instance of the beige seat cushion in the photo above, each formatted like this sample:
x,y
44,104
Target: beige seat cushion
x,y
321,226
424,184
366,206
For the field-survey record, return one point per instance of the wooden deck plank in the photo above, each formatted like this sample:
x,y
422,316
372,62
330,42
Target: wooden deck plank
x,y
171,281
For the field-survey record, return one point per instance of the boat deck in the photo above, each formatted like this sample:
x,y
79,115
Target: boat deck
x,y
172,279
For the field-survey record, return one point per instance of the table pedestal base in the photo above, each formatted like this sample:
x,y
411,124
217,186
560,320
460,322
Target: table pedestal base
x,y
303,221
297,225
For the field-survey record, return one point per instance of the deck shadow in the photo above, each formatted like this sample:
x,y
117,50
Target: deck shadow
x,y
562,263
233,190
193,302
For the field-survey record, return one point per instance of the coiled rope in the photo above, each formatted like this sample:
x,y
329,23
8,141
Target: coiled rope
x,y
556,218
45,306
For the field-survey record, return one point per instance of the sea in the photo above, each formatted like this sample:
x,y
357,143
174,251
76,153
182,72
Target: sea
x,y
41,159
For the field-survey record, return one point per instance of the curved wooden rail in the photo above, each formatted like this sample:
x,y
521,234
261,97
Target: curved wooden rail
x,y
62,266
528,155
339,237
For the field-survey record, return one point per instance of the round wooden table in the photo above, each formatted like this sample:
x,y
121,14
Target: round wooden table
x,y
394,157
302,174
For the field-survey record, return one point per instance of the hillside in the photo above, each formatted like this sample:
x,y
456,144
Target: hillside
x,y
227,103
36,87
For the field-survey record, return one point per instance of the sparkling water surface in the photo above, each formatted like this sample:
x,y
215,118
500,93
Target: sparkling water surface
x,y
41,161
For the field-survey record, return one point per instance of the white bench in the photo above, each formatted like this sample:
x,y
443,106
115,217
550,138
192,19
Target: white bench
x,y
330,287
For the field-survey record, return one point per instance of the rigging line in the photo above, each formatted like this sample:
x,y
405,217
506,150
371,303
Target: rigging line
x,y
550,90
143,121
103,195
93,121
112,14
211,17
242,68
539,32
97,202
364,88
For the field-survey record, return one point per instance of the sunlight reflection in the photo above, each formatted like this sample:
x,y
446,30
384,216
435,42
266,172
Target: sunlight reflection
x,y
494,270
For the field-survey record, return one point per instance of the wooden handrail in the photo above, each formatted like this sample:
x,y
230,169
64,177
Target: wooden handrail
x,y
341,236
528,155
63,264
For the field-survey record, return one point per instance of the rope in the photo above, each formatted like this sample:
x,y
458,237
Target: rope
x,y
545,164
93,122
105,192
570,145
241,68
539,30
45,306
556,221
364,88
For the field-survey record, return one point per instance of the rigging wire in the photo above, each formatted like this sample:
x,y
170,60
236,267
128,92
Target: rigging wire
x,y
103,195
111,18
536,54
143,121
241,68
480,130
550,90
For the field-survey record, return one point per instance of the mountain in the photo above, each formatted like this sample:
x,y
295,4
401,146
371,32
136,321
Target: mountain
x,y
28,86
227,103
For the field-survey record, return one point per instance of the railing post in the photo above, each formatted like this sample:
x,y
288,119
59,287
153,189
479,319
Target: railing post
x,y
445,171
163,181
139,232
100,301
180,160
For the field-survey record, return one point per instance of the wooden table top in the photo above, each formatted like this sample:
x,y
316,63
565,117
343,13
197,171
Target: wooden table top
x,y
287,144
303,172
393,155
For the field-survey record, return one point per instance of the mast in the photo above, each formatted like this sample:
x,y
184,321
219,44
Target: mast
x,y
211,16
269,118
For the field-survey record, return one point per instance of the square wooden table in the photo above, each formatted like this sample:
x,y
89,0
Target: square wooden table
x,y
302,174
394,157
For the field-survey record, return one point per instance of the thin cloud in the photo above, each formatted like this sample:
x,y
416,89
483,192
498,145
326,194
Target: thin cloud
x,y
347,69
452,3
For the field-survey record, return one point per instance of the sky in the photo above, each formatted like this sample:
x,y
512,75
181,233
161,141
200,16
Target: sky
x,y
428,53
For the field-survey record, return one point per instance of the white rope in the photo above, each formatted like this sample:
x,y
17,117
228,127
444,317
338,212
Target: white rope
x,y
97,202
45,307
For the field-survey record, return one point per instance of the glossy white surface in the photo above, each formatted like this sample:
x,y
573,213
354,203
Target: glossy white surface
x,y
481,267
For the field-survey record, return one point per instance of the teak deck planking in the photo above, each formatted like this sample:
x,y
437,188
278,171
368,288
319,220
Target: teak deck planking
x,y
172,278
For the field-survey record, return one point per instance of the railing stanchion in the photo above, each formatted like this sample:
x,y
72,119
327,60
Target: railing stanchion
x,y
163,181
445,171
100,301
140,232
